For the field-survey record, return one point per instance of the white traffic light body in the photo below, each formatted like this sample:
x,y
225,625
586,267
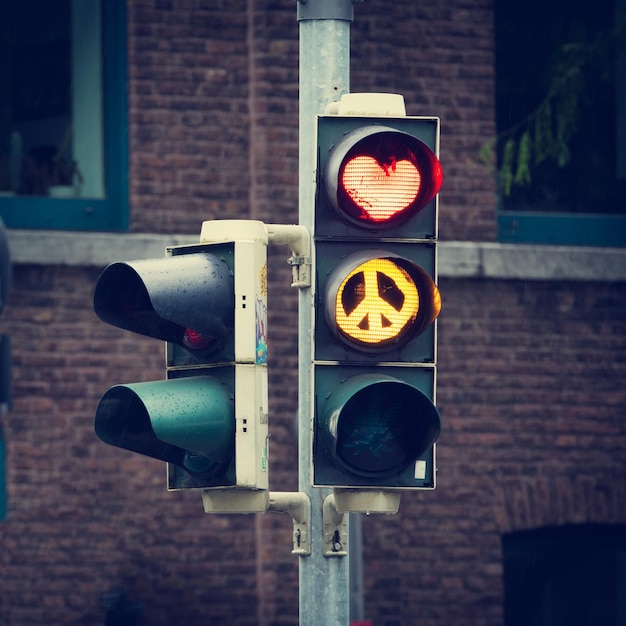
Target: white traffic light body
x,y
246,241
250,348
250,239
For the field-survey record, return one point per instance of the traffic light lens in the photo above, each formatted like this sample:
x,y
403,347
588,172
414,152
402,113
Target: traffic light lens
x,y
381,190
376,303
194,340
378,176
383,428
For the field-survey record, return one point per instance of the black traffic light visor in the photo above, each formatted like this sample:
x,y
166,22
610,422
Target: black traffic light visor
x,y
164,298
187,421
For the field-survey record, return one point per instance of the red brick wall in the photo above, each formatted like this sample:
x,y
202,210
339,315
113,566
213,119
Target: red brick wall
x,y
85,518
530,377
439,55
210,83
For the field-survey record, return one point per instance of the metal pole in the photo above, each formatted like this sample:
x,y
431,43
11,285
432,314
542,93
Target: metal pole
x,y
324,77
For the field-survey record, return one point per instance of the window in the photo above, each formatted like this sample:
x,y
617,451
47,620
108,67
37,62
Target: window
x,y
565,576
561,124
63,152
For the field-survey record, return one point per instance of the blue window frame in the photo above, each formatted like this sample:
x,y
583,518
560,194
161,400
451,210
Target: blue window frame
x,y
63,129
574,229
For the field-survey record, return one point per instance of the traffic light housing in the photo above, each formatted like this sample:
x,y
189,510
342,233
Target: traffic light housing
x,y
208,302
374,356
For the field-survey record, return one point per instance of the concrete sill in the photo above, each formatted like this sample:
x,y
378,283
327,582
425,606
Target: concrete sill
x,y
457,259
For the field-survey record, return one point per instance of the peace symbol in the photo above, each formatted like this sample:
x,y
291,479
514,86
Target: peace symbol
x,y
376,302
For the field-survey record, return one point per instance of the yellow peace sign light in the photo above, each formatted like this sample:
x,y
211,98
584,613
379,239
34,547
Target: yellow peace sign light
x,y
378,300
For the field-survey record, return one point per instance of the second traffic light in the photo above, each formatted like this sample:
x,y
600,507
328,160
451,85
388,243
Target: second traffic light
x,y
375,233
208,302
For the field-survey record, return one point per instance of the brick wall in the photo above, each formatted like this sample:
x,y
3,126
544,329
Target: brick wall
x,y
188,113
85,518
530,377
439,55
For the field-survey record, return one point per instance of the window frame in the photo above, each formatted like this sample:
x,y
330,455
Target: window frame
x,y
574,229
111,212
555,227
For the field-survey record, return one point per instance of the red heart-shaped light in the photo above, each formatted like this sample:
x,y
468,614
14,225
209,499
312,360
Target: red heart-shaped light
x,y
381,191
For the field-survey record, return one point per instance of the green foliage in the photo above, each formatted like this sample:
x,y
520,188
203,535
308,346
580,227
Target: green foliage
x,y
546,134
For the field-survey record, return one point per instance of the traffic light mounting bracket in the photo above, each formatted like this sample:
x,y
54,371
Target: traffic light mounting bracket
x,y
294,503
334,528
298,239
298,505
295,236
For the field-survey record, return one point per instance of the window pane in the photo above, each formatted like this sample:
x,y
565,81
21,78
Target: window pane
x,y
51,129
560,106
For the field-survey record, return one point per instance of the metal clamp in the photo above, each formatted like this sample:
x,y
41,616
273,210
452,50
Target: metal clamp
x,y
299,241
298,505
326,10
335,529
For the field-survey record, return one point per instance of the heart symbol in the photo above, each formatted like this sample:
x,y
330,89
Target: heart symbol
x,y
381,191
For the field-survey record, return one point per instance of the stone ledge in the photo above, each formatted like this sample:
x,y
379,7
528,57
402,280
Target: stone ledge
x,y
457,259
531,262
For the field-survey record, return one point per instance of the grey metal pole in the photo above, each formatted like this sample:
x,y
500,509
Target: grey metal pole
x,y
324,77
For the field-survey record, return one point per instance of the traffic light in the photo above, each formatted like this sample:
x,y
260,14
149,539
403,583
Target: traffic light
x,y
375,233
208,302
